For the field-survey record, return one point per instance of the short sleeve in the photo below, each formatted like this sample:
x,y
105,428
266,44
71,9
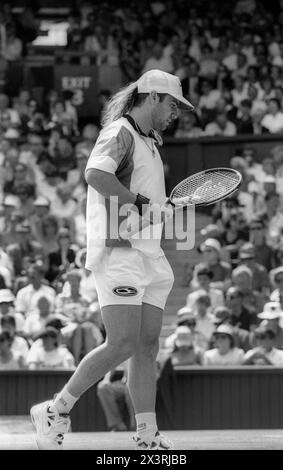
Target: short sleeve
x,y
110,149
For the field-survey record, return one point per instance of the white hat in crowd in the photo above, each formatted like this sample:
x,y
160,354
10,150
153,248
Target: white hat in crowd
x,y
6,295
211,243
183,336
271,310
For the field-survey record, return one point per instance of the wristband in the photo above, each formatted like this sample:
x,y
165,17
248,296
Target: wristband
x,y
140,201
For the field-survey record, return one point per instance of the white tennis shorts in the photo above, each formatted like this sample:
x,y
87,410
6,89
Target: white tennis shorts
x,y
127,276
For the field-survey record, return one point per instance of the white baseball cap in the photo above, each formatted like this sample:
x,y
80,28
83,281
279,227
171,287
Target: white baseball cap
x,y
6,295
271,310
211,243
162,82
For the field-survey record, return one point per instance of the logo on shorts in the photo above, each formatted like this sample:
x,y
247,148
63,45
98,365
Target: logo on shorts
x,y
125,291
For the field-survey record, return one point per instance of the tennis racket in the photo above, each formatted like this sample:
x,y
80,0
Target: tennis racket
x,y
201,189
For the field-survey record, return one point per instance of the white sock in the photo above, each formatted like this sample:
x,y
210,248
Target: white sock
x,y
64,401
146,424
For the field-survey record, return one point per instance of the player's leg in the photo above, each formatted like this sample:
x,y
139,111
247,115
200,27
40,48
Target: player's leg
x,y
122,324
131,411
142,371
142,380
76,344
142,365
89,339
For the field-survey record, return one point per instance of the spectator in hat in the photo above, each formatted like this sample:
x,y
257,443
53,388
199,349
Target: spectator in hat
x,y
7,307
185,353
242,277
186,317
242,338
27,297
264,254
221,271
260,275
55,321
204,277
51,355
264,353
271,318
42,206
225,352
240,316
41,210
221,316
9,360
20,345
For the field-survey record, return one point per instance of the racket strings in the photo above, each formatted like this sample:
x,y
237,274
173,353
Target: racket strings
x,y
206,187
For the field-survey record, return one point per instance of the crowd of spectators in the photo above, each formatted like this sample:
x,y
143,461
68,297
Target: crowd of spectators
x,y
49,312
234,308
228,57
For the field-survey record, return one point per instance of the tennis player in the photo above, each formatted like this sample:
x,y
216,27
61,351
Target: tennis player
x,y
133,277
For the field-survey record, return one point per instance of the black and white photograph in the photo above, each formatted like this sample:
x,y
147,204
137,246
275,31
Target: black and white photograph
x,y
141,229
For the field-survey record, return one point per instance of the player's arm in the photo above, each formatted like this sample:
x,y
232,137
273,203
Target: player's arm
x,y
111,149
108,185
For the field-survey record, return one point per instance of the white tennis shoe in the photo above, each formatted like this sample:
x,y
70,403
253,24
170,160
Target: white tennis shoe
x,y
159,442
50,426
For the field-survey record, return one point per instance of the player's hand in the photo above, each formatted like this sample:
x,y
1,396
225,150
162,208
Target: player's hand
x,y
158,214
154,214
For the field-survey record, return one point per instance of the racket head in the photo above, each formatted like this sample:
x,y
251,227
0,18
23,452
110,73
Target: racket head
x,y
206,187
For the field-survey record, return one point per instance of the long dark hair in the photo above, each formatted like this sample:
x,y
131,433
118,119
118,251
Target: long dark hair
x,y
120,103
